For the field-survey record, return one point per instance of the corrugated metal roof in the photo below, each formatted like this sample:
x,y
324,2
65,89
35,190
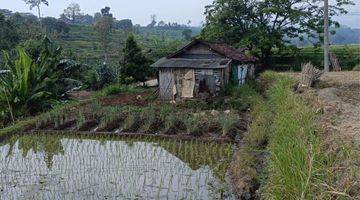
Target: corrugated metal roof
x,y
221,48
192,63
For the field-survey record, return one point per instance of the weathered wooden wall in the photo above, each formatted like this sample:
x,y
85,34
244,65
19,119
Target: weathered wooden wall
x,y
171,81
166,84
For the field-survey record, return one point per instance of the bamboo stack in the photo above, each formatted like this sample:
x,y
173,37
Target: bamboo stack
x,y
309,75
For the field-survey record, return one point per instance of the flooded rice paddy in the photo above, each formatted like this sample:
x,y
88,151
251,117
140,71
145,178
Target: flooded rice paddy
x,y
42,166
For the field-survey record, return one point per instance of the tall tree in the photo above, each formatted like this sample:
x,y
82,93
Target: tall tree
x,y
103,28
37,4
153,21
134,63
73,12
265,24
106,12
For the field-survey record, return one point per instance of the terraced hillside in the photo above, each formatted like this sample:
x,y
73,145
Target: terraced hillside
x,y
82,43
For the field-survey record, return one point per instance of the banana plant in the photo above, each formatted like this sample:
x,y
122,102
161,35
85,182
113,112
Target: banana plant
x,y
28,86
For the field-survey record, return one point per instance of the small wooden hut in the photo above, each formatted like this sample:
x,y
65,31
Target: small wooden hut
x,y
201,70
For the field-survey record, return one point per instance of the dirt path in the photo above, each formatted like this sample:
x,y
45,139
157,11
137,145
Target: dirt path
x,y
338,94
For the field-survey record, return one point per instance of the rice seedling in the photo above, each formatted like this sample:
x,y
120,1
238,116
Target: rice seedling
x,y
169,117
111,118
80,120
196,124
132,120
149,119
228,122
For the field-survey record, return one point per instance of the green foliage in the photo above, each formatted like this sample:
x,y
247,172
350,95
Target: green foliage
x,y
265,24
28,27
291,59
148,118
124,24
29,85
100,76
9,35
104,28
283,125
117,89
112,89
187,34
53,25
132,120
197,123
72,12
295,169
134,64
228,122
169,117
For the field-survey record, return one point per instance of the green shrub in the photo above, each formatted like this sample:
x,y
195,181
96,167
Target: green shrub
x,y
100,76
347,55
117,89
239,98
112,89
30,84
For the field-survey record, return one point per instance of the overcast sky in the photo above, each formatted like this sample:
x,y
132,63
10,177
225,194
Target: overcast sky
x,y
140,10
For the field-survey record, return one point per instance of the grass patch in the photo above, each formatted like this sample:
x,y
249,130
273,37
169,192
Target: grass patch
x,y
118,89
298,163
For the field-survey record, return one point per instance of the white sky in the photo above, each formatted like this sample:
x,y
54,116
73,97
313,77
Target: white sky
x,y
140,10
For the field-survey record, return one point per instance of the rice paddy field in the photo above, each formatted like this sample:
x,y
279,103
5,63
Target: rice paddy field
x,y
63,166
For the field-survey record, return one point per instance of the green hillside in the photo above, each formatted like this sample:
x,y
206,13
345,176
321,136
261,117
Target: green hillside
x,y
81,43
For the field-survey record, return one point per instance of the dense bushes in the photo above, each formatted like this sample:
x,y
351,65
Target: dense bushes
x,y
37,81
99,77
292,58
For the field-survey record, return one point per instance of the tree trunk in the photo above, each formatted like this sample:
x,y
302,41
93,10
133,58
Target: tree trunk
x,y
39,13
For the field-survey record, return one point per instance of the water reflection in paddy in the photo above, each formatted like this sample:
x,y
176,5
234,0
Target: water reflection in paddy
x,y
53,167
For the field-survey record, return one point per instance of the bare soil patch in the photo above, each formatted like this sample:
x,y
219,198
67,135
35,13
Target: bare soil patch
x,y
138,99
81,95
339,99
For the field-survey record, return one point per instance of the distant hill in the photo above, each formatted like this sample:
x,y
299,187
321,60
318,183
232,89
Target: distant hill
x,y
343,36
81,42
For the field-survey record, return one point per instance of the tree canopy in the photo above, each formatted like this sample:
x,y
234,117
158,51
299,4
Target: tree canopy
x,y
73,12
266,24
134,63
103,28
36,3
9,35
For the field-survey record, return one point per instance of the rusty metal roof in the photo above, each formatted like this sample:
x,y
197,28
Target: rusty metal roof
x,y
221,48
192,63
